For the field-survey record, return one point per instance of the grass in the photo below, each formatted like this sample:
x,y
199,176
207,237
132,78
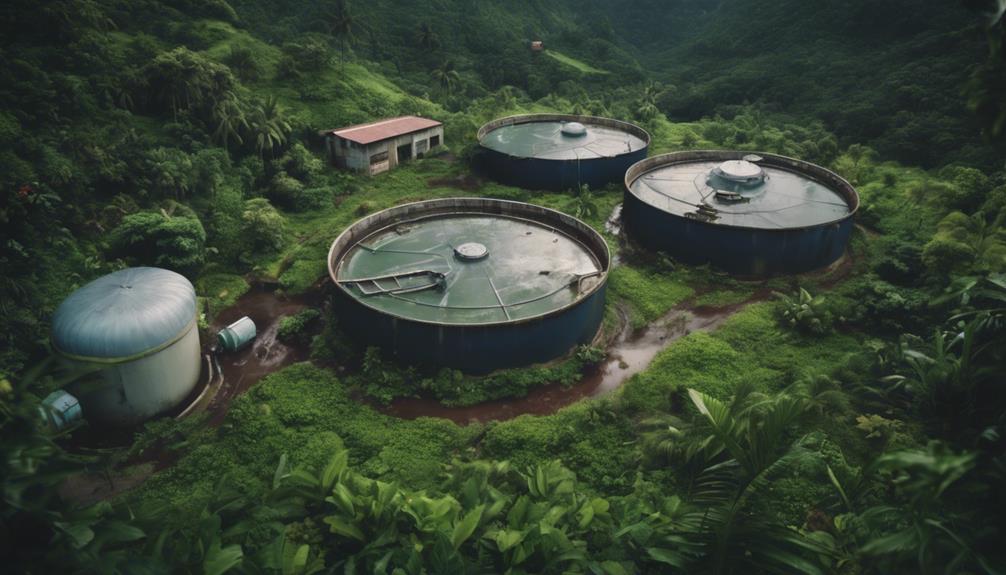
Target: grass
x,y
574,63
648,294
307,413
221,290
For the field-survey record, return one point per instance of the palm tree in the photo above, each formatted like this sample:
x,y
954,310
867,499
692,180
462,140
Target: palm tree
x,y
269,127
230,119
505,98
446,76
342,25
647,109
427,38
744,441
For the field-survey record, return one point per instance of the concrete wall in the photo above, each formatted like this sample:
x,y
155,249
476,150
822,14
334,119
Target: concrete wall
x,y
353,156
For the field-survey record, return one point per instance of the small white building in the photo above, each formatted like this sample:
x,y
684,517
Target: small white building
x,y
379,146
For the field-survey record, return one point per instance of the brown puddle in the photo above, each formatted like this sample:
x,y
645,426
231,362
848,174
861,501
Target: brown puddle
x,y
631,353
266,354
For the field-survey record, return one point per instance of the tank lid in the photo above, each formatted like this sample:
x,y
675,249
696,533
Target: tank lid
x,y
574,129
124,314
740,169
471,251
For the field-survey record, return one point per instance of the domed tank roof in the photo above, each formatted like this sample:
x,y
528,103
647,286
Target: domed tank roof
x,y
574,129
740,170
124,314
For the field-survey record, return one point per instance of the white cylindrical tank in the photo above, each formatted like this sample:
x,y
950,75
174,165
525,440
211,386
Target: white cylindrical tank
x,y
140,325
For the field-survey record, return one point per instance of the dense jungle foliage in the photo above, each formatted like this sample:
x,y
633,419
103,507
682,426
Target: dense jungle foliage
x,y
851,423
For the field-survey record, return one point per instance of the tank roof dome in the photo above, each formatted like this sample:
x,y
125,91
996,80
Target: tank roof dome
x,y
739,169
124,314
574,129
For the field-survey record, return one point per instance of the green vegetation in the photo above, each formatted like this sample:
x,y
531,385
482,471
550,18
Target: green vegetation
x,y
851,425
573,62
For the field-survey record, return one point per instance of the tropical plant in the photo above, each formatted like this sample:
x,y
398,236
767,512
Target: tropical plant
x,y
157,238
268,127
181,79
242,60
805,313
746,441
446,76
927,525
263,226
426,37
968,243
342,25
229,116
585,207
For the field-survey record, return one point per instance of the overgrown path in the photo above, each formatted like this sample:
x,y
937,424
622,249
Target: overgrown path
x,y
631,353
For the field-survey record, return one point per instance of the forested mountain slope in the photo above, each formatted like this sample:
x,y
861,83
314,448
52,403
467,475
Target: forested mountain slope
x,y
888,74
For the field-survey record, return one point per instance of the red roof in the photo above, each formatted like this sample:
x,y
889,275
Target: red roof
x,y
384,129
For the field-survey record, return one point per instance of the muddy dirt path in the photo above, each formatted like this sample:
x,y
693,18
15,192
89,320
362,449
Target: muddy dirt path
x,y
631,353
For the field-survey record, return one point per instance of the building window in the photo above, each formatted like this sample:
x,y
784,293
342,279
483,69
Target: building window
x,y
434,141
422,146
378,158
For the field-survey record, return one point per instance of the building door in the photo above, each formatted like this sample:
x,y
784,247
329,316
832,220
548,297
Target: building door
x,y
404,152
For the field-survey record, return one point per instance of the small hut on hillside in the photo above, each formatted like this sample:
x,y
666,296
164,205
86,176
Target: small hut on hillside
x,y
379,146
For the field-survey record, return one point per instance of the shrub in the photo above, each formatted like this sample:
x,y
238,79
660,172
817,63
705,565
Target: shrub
x,y
805,313
293,328
151,238
300,163
263,226
285,190
314,199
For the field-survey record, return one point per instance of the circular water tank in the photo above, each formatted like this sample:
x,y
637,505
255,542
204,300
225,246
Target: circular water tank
x,y
139,326
778,216
560,152
471,283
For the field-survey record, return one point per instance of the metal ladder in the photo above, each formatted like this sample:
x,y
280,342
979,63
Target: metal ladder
x,y
372,286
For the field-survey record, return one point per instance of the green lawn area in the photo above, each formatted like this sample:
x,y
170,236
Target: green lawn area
x,y
574,63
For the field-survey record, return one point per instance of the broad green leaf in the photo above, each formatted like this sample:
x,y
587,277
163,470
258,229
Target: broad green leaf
x,y
666,556
333,469
613,568
277,477
79,533
119,532
586,514
295,563
340,526
220,560
464,528
508,538
838,487
344,499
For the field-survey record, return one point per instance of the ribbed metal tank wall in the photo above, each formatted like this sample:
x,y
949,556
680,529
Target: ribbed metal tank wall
x,y
473,347
138,326
739,250
536,173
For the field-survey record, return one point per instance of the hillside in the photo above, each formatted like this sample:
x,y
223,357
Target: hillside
x,y
848,420
888,74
